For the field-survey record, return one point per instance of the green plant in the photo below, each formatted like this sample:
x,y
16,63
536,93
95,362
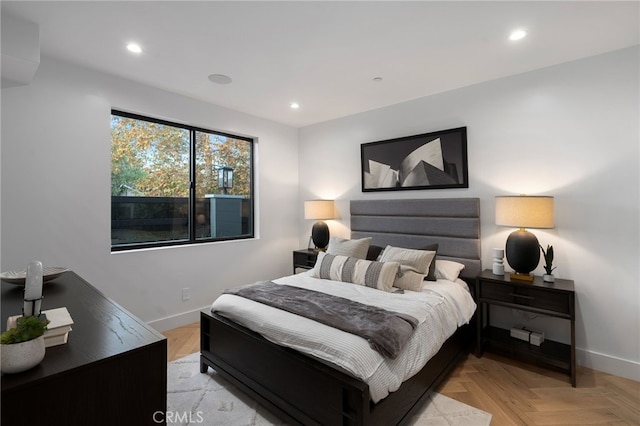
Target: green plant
x,y
548,259
26,329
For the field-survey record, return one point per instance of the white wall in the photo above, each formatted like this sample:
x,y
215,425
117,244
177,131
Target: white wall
x,y
56,193
571,131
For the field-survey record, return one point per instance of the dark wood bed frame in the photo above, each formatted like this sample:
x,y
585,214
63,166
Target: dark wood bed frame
x,y
304,390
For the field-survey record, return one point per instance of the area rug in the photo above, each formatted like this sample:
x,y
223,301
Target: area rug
x,y
208,399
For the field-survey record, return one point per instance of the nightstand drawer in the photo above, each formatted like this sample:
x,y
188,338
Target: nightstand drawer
x,y
304,260
559,302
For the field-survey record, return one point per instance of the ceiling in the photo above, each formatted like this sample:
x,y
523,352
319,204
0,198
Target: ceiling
x,y
323,55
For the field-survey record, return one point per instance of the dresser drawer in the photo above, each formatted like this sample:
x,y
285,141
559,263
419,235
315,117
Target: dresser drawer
x,y
554,301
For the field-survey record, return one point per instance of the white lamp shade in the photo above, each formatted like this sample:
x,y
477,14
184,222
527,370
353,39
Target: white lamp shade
x,y
319,209
521,211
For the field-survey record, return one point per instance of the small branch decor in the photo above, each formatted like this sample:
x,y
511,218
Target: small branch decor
x,y
548,260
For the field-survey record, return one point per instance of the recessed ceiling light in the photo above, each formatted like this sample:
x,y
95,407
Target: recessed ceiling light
x,y
517,35
377,79
134,47
220,78
294,105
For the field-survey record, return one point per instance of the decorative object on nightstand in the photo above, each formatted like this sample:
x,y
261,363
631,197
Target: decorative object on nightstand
x,y
548,264
319,210
498,264
522,248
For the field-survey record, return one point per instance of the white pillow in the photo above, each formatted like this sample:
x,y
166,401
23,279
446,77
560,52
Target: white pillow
x,y
379,275
352,248
448,269
414,266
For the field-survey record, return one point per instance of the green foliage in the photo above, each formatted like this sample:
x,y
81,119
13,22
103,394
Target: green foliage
x,y
149,158
548,259
125,177
26,329
152,160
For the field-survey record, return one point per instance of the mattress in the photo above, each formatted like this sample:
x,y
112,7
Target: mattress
x,y
440,308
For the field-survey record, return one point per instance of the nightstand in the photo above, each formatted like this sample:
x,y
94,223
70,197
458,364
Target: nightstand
x,y
550,299
304,258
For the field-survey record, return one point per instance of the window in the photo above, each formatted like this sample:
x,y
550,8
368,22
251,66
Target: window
x,y
176,184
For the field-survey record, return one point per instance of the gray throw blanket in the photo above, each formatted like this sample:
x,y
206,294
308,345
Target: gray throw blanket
x,y
386,331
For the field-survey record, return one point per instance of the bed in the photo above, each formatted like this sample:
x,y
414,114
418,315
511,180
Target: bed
x,y
303,389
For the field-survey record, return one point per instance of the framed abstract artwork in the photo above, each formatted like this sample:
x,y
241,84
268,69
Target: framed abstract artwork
x,y
433,160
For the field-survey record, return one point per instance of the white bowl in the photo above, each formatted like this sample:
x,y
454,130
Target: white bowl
x,y
18,357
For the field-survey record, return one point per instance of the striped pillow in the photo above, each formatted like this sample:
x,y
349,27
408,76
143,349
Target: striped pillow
x,y
352,248
414,266
416,260
379,275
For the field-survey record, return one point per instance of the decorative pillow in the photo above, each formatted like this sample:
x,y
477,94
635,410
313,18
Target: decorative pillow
x,y
408,279
380,275
418,260
448,269
351,248
374,252
414,265
431,276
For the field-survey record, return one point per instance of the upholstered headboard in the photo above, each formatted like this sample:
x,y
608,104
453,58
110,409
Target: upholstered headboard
x,y
452,223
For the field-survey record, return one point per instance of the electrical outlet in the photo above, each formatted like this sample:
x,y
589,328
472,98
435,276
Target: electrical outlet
x,y
186,294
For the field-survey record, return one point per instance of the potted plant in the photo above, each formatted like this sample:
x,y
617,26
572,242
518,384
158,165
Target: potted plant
x,y
548,266
22,347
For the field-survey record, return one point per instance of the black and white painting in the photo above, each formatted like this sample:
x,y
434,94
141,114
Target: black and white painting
x,y
433,160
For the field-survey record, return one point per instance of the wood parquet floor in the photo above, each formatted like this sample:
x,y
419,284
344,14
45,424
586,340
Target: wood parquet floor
x,y
514,393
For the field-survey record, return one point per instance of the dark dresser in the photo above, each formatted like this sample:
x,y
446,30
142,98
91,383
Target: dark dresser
x,y
112,371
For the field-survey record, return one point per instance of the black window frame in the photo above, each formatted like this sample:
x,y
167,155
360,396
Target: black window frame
x,y
192,240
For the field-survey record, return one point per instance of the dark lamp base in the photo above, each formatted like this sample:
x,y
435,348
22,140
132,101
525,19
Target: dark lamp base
x,y
521,277
522,251
320,234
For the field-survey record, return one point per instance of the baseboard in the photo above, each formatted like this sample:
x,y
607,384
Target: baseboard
x,y
608,364
175,321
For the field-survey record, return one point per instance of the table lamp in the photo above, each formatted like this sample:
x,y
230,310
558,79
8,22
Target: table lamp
x,y
522,249
319,210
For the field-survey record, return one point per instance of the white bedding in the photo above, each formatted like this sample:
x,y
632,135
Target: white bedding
x,y
440,308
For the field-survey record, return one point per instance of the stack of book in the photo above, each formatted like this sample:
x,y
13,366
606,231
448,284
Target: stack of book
x,y
59,327
57,332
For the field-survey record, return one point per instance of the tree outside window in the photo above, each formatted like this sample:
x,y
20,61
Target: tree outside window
x,y
164,184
